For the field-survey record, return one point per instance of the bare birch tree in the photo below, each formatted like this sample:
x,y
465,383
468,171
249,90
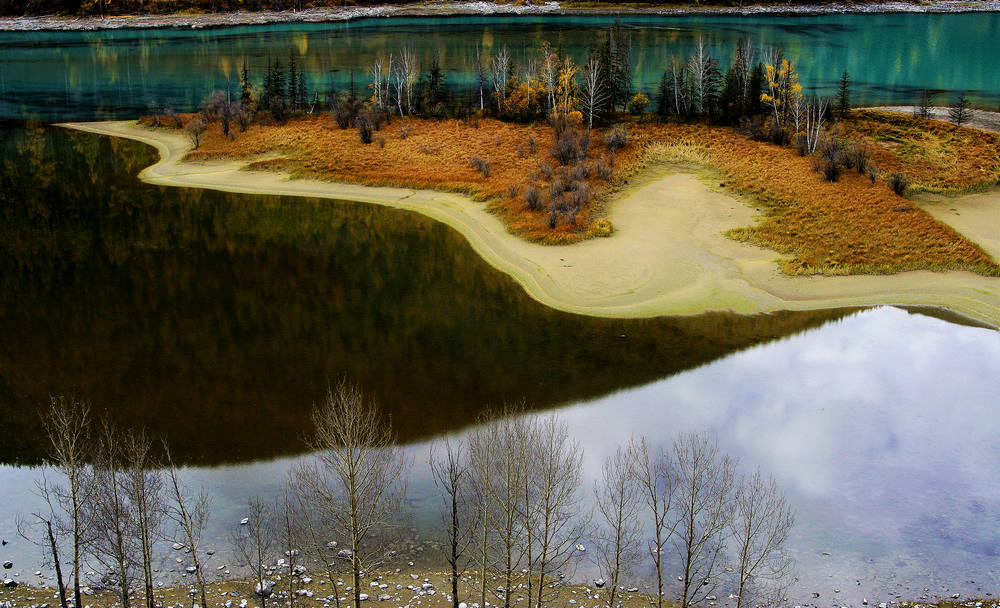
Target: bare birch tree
x,y
48,521
653,471
704,492
480,77
115,543
67,424
760,526
592,89
549,68
483,447
452,476
620,534
253,544
411,71
499,72
506,491
357,478
144,487
189,513
554,470
815,118
377,75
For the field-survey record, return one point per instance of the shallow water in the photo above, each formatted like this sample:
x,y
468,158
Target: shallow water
x,y
115,74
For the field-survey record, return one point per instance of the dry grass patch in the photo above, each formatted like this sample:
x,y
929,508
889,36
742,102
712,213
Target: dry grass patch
x,y
444,155
847,227
852,226
936,156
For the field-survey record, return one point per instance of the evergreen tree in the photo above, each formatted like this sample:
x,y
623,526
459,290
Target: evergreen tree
x,y
844,95
732,97
663,96
303,93
246,93
293,81
923,110
755,87
960,112
434,94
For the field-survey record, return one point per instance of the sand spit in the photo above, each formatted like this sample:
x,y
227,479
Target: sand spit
x,y
668,255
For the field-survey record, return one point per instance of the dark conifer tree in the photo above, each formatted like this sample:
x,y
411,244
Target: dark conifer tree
x,y
844,96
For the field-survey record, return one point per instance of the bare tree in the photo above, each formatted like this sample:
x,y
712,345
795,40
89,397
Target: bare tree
x,y
115,537
592,87
67,425
26,529
480,77
483,446
411,71
499,72
357,477
144,487
619,534
190,516
549,68
452,476
704,491
703,71
553,470
316,531
760,526
506,491
815,118
960,112
253,544
377,72
654,473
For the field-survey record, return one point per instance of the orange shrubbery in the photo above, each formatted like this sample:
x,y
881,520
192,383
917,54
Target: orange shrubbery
x,y
850,226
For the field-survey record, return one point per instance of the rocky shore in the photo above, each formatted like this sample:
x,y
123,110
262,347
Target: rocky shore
x,y
447,9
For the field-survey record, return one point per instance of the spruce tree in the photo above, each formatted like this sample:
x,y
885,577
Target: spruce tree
x,y
960,112
844,95
293,81
246,94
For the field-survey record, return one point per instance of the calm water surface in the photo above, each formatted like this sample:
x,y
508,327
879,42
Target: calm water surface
x,y
216,320
87,75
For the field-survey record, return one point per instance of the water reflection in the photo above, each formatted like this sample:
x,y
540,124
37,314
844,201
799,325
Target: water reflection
x,y
880,428
86,75
216,319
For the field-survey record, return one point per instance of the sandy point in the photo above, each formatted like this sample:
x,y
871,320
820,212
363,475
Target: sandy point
x,y
668,255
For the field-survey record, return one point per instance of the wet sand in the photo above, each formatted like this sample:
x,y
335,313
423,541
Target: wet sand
x,y
668,255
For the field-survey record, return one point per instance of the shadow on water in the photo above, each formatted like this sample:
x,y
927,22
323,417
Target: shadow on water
x,y
216,319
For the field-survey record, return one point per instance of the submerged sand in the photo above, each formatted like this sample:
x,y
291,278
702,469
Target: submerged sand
x,y
668,255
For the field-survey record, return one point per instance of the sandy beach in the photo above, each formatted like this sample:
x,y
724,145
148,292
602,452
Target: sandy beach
x,y
668,255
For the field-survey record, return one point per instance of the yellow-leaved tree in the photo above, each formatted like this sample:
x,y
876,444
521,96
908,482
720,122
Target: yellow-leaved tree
x,y
783,89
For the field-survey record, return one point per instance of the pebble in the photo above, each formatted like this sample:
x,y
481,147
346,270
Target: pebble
x,y
244,521
7,565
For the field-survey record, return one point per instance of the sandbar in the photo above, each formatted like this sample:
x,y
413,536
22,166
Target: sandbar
x,y
667,256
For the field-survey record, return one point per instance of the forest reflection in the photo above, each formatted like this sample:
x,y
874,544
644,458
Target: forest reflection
x,y
216,320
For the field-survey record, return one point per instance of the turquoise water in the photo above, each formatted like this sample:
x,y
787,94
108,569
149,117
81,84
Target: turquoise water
x,y
88,75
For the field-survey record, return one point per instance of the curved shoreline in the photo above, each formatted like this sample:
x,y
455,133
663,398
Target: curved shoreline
x,y
467,8
668,255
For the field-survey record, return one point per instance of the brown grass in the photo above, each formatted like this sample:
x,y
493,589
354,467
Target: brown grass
x,y
851,226
936,156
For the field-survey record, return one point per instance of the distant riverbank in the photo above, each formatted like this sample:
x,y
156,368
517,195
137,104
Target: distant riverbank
x,y
668,256
448,9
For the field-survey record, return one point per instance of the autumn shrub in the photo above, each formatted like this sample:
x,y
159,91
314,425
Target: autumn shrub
x,y
616,138
533,198
802,144
570,146
831,170
483,165
404,132
512,190
364,129
898,183
545,170
753,128
602,169
381,142
532,144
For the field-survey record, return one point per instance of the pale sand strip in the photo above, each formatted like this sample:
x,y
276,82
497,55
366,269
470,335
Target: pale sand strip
x,y
668,255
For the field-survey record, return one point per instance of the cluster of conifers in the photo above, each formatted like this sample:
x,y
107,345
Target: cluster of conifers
x,y
514,505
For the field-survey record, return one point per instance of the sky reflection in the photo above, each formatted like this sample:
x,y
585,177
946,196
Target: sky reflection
x,y
880,427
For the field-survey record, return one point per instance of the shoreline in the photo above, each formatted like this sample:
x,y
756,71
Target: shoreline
x,y
466,8
668,255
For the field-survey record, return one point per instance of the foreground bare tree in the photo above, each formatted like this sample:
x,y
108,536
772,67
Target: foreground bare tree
x,y
653,471
619,536
592,88
144,488
67,424
253,544
358,476
482,449
115,543
760,526
190,516
553,501
450,469
704,496
27,529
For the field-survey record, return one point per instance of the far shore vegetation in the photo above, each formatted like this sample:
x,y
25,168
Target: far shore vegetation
x,y
547,143
104,8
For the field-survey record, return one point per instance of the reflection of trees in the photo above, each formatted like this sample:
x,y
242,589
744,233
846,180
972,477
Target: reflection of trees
x,y
217,319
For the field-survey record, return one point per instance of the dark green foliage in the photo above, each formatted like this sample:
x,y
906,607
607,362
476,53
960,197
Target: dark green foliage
x,y
616,66
293,81
246,91
844,95
923,109
434,95
960,112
